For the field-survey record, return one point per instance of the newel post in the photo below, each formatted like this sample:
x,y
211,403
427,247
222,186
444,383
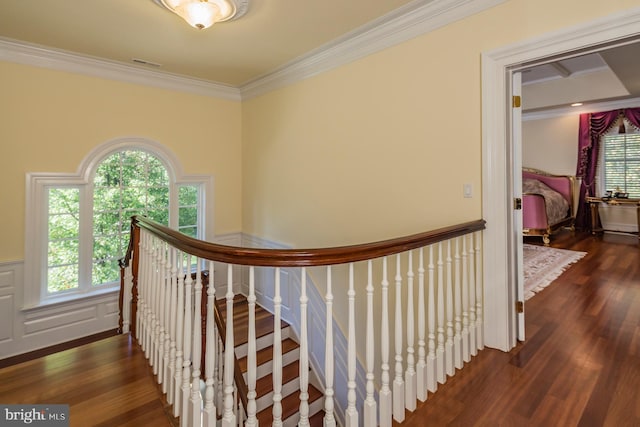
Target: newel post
x,y
131,260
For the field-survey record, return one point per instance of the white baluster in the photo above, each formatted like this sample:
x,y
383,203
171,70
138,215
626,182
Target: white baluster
x,y
158,270
304,353
458,307
177,379
168,302
398,382
410,380
386,409
196,397
421,370
370,409
277,353
251,353
478,285
440,362
209,415
473,344
329,420
449,305
141,303
162,285
466,354
219,373
351,414
432,377
146,327
186,347
229,417
141,291
173,315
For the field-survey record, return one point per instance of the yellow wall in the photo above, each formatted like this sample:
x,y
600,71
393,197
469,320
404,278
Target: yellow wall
x,y
381,147
51,120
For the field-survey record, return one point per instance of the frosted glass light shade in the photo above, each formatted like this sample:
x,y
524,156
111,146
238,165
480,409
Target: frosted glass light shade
x,y
201,14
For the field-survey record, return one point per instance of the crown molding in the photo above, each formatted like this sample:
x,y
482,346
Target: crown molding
x,y
587,108
39,56
412,20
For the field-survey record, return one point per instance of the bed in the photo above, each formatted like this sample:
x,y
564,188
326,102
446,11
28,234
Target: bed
x,y
547,203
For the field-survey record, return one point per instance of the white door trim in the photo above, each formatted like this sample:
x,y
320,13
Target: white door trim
x,y
499,292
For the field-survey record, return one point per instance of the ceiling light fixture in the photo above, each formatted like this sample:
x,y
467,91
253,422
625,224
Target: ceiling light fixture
x,y
576,104
202,14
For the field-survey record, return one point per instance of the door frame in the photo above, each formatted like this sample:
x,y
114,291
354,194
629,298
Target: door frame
x,y
499,263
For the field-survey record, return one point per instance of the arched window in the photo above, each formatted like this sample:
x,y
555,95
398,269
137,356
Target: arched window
x,y
80,224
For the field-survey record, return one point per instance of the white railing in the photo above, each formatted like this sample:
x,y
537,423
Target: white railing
x,y
170,284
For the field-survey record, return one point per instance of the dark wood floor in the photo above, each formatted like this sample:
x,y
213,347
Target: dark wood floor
x,y
105,383
580,363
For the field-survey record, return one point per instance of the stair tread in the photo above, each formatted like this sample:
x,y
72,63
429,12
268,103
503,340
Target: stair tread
x,y
265,355
290,406
289,373
264,320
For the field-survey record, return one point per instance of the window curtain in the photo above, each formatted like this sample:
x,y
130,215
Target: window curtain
x,y
592,127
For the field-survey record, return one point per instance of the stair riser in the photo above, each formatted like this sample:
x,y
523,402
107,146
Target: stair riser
x,y
262,342
267,400
314,408
267,368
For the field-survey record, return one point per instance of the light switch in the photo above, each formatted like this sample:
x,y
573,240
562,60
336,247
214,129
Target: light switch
x,y
468,190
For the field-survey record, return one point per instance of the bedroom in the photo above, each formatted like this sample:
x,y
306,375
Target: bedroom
x,y
601,82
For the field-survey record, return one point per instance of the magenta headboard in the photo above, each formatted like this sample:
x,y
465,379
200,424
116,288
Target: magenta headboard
x,y
562,184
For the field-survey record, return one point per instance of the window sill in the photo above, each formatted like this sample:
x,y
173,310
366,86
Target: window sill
x,y
94,297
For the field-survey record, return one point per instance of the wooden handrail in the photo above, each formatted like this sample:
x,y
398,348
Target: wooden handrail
x,y
272,258
303,257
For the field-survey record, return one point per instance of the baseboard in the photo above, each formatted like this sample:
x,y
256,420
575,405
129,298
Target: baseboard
x,y
36,354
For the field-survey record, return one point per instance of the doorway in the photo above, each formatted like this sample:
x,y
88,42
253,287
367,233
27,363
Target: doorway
x,y
501,265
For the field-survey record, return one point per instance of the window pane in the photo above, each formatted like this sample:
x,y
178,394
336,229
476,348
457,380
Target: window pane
x,y
190,231
105,271
622,163
106,199
63,252
158,196
187,217
63,227
159,215
106,223
62,278
157,173
188,195
63,230
188,208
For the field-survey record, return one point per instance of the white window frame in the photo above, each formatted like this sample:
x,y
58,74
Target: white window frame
x,y
600,174
36,237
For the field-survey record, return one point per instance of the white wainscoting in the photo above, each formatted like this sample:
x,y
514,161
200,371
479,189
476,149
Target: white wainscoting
x,y
22,331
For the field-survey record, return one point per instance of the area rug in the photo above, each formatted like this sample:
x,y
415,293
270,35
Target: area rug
x,y
542,265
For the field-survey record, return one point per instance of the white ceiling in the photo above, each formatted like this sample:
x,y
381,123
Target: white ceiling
x,y
271,33
609,75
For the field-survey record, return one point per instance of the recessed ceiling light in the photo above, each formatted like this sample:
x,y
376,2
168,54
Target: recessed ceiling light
x,y
576,104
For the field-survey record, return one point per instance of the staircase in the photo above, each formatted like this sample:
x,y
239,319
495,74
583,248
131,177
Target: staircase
x,y
264,324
